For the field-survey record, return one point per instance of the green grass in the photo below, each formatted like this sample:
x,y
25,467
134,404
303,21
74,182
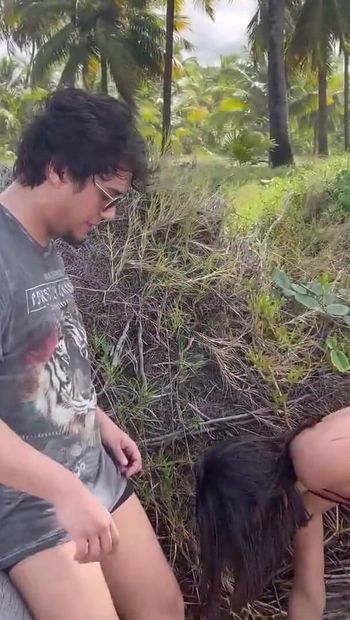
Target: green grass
x,y
255,203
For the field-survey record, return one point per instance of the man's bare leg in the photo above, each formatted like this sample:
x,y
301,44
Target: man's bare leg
x,y
56,587
139,578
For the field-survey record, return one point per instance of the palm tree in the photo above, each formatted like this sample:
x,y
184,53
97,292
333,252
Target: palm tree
x,y
219,110
92,37
312,29
26,29
320,24
173,8
168,69
281,151
268,34
303,107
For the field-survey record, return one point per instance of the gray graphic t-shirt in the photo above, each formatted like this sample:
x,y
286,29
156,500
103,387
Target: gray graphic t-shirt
x,y
46,392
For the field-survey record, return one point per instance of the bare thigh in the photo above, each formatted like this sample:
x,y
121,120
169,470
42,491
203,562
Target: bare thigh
x,y
55,587
140,579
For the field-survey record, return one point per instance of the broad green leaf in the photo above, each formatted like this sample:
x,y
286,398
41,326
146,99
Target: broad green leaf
x,y
287,292
315,287
331,299
196,115
340,361
298,288
308,301
331,342
346,320
232,104
281,279
337,310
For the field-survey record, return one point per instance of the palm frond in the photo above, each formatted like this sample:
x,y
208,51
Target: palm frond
x,y
29,19
120,62
90,69
258,35
75,62
9,119
304,105
145,40
181,22
53,51
208,6
317,29
187,45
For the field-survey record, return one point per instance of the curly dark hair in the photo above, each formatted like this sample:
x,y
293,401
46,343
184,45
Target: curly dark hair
x,y
82,133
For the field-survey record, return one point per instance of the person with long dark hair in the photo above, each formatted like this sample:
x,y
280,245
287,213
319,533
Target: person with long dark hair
x,y
256,497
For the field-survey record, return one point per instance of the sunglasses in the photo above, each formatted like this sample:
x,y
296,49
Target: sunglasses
x,y
112,200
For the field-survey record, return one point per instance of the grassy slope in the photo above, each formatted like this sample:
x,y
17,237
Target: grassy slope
x,y
191,342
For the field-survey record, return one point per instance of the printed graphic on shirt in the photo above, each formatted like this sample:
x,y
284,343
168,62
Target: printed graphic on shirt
x,y
46,388
53,294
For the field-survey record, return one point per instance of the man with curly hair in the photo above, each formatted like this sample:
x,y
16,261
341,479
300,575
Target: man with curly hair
x,y
75,540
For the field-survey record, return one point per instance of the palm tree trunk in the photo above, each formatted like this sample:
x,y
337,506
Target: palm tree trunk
x,y
315,139
30,64
346,101
280,154
322,110
104,75
168,72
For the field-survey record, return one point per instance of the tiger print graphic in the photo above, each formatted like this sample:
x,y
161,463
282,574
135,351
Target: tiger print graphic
x,y
65,394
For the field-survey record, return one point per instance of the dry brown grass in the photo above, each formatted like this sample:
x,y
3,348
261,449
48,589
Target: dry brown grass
x,y
189,345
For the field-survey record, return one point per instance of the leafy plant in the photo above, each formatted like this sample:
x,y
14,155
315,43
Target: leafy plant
x,y
320,296
246,146
315,296
339,359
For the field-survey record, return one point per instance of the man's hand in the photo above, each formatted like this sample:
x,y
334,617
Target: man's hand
x,y
123,448
87,521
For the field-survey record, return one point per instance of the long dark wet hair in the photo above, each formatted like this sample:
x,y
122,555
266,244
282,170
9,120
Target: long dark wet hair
x,y
248,510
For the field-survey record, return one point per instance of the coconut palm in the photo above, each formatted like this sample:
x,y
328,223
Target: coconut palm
x,y
281,151
92,38
268,33
303,107
319,26
173,8
312,29
26,29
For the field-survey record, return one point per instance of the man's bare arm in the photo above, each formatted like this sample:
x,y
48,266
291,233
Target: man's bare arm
x,y
26,469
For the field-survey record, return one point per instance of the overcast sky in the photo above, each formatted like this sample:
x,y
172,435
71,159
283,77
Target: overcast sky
x,y
224,36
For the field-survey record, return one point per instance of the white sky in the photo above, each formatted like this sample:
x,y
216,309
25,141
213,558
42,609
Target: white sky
x,y
224,36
